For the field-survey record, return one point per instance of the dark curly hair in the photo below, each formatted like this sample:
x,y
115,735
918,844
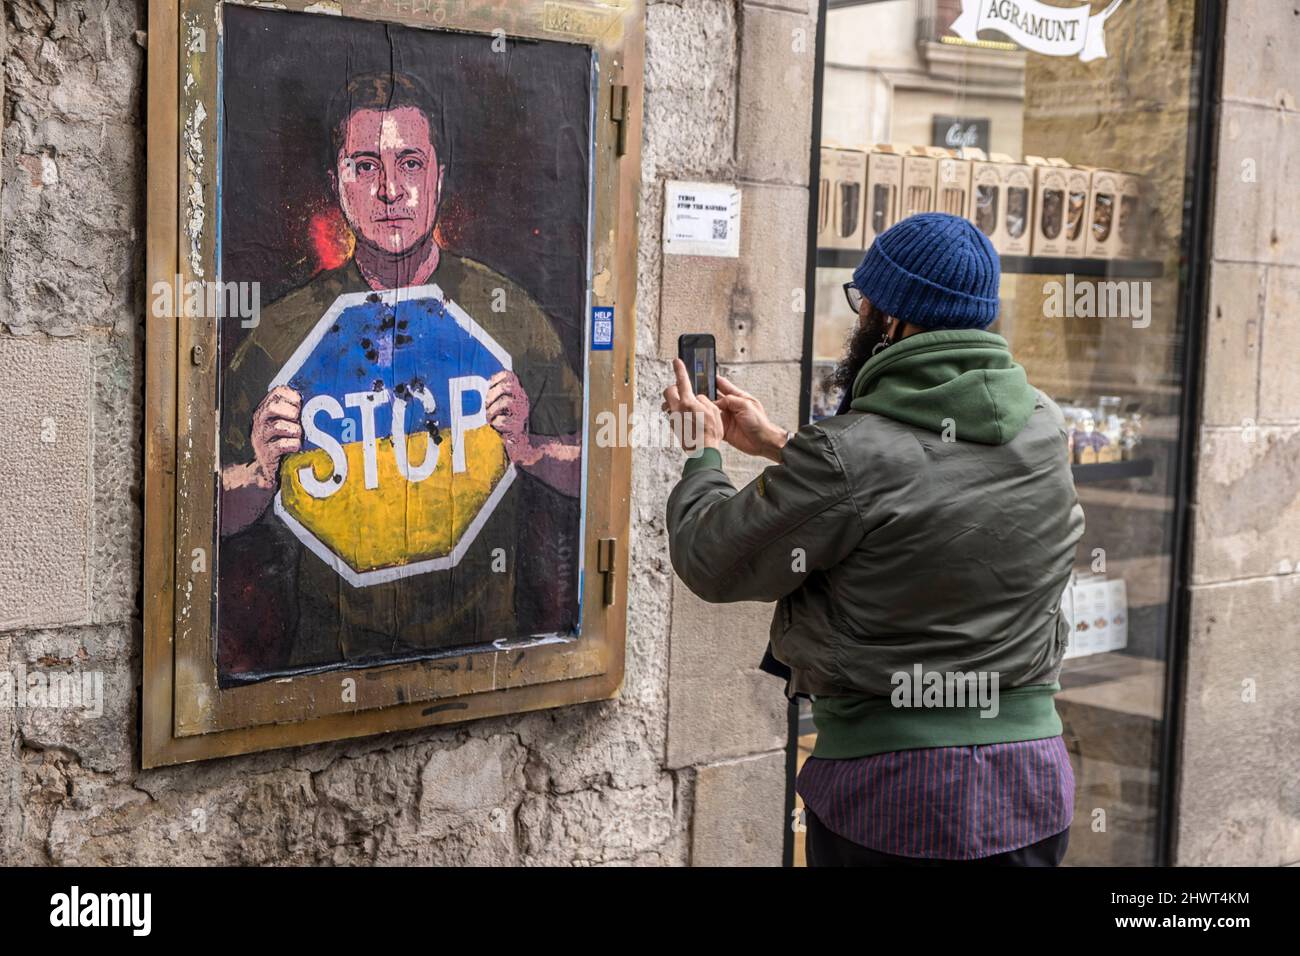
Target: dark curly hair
x,y
387,90
865,337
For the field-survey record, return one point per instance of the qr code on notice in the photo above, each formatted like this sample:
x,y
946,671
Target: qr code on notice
x,y
719,229
604,331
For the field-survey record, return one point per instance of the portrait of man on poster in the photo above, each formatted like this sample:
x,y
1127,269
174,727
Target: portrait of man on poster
x,y
359,554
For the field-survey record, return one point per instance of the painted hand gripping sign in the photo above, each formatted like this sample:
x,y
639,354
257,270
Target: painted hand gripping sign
x,y
399,467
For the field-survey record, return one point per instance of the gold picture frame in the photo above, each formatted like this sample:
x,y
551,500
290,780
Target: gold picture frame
x,y
187,715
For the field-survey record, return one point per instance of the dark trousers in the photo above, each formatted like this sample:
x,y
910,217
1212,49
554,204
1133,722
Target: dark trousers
x,y
825,847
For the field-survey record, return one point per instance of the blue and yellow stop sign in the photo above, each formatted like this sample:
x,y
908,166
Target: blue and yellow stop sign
x,y
399,467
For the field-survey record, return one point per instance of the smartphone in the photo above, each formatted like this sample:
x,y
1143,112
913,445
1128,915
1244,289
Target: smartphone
x,y
700,357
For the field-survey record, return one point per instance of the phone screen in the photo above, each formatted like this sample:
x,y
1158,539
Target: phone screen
x,y
698,354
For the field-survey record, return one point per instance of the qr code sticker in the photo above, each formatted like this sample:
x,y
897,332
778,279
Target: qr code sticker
x,y
719,229
604,331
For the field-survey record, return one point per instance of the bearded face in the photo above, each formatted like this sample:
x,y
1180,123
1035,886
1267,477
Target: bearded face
x,y
866,336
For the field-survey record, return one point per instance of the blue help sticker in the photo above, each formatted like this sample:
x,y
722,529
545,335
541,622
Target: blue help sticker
x,y
602,328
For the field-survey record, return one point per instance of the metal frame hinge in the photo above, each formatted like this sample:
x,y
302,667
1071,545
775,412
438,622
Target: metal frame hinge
x,y
606,564
618,116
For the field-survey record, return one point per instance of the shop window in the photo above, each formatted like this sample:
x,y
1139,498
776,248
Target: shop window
x,y
1069,150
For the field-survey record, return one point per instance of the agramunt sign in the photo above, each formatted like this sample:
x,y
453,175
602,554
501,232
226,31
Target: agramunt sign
x,y
1053,31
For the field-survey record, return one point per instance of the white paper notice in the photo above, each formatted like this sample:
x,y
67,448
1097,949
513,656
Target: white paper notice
x,y
702,219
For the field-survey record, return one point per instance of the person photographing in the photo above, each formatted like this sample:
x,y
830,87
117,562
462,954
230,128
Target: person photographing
x,y
917,545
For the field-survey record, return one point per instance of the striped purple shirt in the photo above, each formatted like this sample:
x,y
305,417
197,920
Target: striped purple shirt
x,y
945,803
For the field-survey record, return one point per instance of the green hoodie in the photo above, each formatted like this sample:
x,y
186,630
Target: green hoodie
x,y
966,377
932,527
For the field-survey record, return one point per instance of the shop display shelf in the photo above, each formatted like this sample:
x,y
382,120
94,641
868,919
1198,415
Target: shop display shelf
x,y
1110,470
1035,265
1098,268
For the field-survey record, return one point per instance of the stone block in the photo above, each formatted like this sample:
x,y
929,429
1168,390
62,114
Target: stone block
x,y
1259,61
72,196
740,813
587,747
1242,671
776,385
1232,343
1279,399
649,266
752,305
115,559
479,778
690,89
80,693
794,6
774,111
1247,503
720,704
1257,205
1284,240
697,294
46,485
601,826
11,794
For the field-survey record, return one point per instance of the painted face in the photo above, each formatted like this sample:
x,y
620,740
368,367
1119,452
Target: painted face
x,y
389,180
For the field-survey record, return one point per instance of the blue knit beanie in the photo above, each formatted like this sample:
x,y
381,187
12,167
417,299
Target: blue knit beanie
x,y
933,270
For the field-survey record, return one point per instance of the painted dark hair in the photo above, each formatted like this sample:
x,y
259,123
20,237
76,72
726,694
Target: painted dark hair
x,y
382,91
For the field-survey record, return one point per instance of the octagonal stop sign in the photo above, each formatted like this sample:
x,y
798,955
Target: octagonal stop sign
x,y
399,467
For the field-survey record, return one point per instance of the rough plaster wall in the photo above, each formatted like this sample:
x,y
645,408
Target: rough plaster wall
x,y
578,785
1240,780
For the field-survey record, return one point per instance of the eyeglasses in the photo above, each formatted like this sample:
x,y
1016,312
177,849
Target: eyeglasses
x,y
855,297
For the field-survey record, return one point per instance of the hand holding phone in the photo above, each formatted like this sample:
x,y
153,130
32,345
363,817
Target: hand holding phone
x,y
690,399
700,356
740,416
745,425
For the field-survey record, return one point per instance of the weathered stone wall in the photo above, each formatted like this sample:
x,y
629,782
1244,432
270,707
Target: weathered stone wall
x,y
1240,786
686,766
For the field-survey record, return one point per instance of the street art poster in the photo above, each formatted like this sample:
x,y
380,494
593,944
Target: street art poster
x,y
401,425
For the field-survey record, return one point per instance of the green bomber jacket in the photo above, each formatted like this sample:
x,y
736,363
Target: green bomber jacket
x,y
929,531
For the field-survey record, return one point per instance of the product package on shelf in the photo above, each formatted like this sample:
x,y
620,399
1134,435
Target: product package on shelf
x,y
1109,424
1091,616
1103,240
884,184
952,184
920,172
1060,207
1117,604
1130,432
1001,200
1133,211
985,192
1097,608
1104,433
842,197
1090,442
